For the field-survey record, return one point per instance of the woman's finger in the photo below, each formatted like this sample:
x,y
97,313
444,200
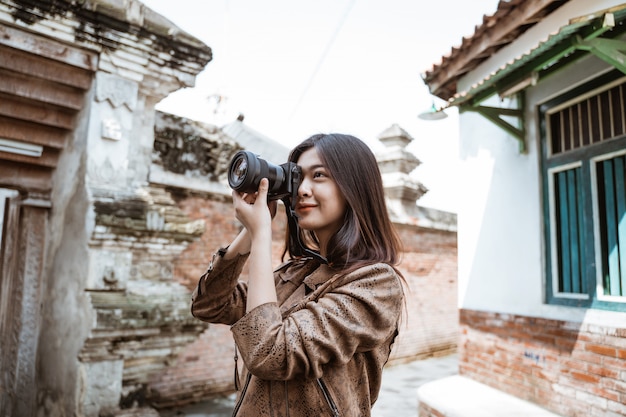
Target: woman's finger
x,y
262,193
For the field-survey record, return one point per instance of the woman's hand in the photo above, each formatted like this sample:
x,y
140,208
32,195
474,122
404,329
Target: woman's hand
x,y
255,213
253,210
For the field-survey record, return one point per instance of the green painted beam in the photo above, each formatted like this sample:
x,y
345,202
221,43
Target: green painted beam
x,y
580,36
495,114
608,50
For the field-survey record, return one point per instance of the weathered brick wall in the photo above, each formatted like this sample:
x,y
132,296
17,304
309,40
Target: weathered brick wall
x,y
429,266
572,369
206,368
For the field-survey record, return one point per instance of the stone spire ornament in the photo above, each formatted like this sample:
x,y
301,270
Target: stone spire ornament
x,y
402,191
396,164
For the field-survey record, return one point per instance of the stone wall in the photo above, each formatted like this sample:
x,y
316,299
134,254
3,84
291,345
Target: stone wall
x,y
89,306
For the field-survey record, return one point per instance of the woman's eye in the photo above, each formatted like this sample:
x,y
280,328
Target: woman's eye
x,y
318,174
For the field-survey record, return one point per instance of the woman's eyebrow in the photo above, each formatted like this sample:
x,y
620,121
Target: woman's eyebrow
x,y
312,167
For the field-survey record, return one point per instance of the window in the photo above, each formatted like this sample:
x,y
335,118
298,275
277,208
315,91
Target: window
x,y
584,194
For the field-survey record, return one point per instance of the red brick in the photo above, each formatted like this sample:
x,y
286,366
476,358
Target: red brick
x,y
592,379
603,371
605,393
601,350
587,357
614,385
614,363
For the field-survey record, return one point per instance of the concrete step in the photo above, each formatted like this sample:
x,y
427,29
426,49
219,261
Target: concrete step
x,y
459,396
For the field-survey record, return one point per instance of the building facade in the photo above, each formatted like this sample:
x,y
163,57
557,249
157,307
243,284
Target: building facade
x,y
541,87
87,304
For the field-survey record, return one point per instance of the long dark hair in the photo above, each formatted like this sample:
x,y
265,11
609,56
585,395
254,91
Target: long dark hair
x,y
367,235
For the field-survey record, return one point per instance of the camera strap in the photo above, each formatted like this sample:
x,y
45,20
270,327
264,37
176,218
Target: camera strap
x,y
296,247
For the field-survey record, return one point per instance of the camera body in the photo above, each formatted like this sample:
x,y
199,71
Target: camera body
x,y
246,171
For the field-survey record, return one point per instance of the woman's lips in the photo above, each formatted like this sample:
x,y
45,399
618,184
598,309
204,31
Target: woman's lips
x,y
304,208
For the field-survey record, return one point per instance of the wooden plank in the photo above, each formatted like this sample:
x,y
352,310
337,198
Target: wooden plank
x,y
47,69
41,90
49,158
33,111
21,176
39,45
35,133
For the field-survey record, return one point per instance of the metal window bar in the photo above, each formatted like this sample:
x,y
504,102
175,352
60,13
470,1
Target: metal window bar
x,y
590,120
612,188
570,232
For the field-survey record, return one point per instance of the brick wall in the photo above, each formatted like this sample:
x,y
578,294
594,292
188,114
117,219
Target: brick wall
x,y
430,325
429,265
572,369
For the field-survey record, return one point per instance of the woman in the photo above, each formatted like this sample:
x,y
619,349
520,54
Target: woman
x,y
314,335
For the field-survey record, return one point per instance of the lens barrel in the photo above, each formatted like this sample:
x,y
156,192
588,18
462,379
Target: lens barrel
x,y
246,171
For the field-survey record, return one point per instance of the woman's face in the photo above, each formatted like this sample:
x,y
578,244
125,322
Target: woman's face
x,y
320,206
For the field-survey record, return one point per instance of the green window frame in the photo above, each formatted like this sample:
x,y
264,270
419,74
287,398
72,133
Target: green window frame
x,y
583,162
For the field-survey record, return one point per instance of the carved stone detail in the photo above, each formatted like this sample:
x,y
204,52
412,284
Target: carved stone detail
x,y
118,91
192,148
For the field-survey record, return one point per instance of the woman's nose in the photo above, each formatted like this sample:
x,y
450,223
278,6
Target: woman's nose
x,y
304,189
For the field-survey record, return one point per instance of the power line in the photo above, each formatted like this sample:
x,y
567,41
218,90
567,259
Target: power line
x,y
322,58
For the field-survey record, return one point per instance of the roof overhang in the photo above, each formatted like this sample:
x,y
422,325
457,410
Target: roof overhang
x,y
511,20
595,33
599,33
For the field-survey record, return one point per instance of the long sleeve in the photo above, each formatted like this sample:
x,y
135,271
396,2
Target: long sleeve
x,y
358,315
220,297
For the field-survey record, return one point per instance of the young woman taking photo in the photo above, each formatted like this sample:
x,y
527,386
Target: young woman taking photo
x,y
314,333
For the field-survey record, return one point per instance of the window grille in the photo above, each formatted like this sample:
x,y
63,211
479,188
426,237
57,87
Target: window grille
x,y
591,120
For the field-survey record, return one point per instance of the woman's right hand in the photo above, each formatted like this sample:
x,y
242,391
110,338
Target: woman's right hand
x,y
253,210
250,210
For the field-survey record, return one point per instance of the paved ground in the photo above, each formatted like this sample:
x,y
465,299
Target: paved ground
x,y
398,394
397,397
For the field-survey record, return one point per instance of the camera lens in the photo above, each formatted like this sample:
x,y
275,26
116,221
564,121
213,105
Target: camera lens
x,y
238,171
245,172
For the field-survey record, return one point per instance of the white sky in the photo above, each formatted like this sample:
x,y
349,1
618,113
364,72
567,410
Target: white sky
x,y
295,68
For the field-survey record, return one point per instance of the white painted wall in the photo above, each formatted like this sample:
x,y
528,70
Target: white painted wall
x,y
500,237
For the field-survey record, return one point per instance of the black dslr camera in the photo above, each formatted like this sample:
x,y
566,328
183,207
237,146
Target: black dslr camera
x,y
246,171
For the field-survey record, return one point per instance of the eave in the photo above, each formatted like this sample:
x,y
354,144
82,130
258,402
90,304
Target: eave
x,y
598,33
510,21
594,33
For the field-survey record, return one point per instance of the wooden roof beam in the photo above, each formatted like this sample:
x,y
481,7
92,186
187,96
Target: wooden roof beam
x,y
442,75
